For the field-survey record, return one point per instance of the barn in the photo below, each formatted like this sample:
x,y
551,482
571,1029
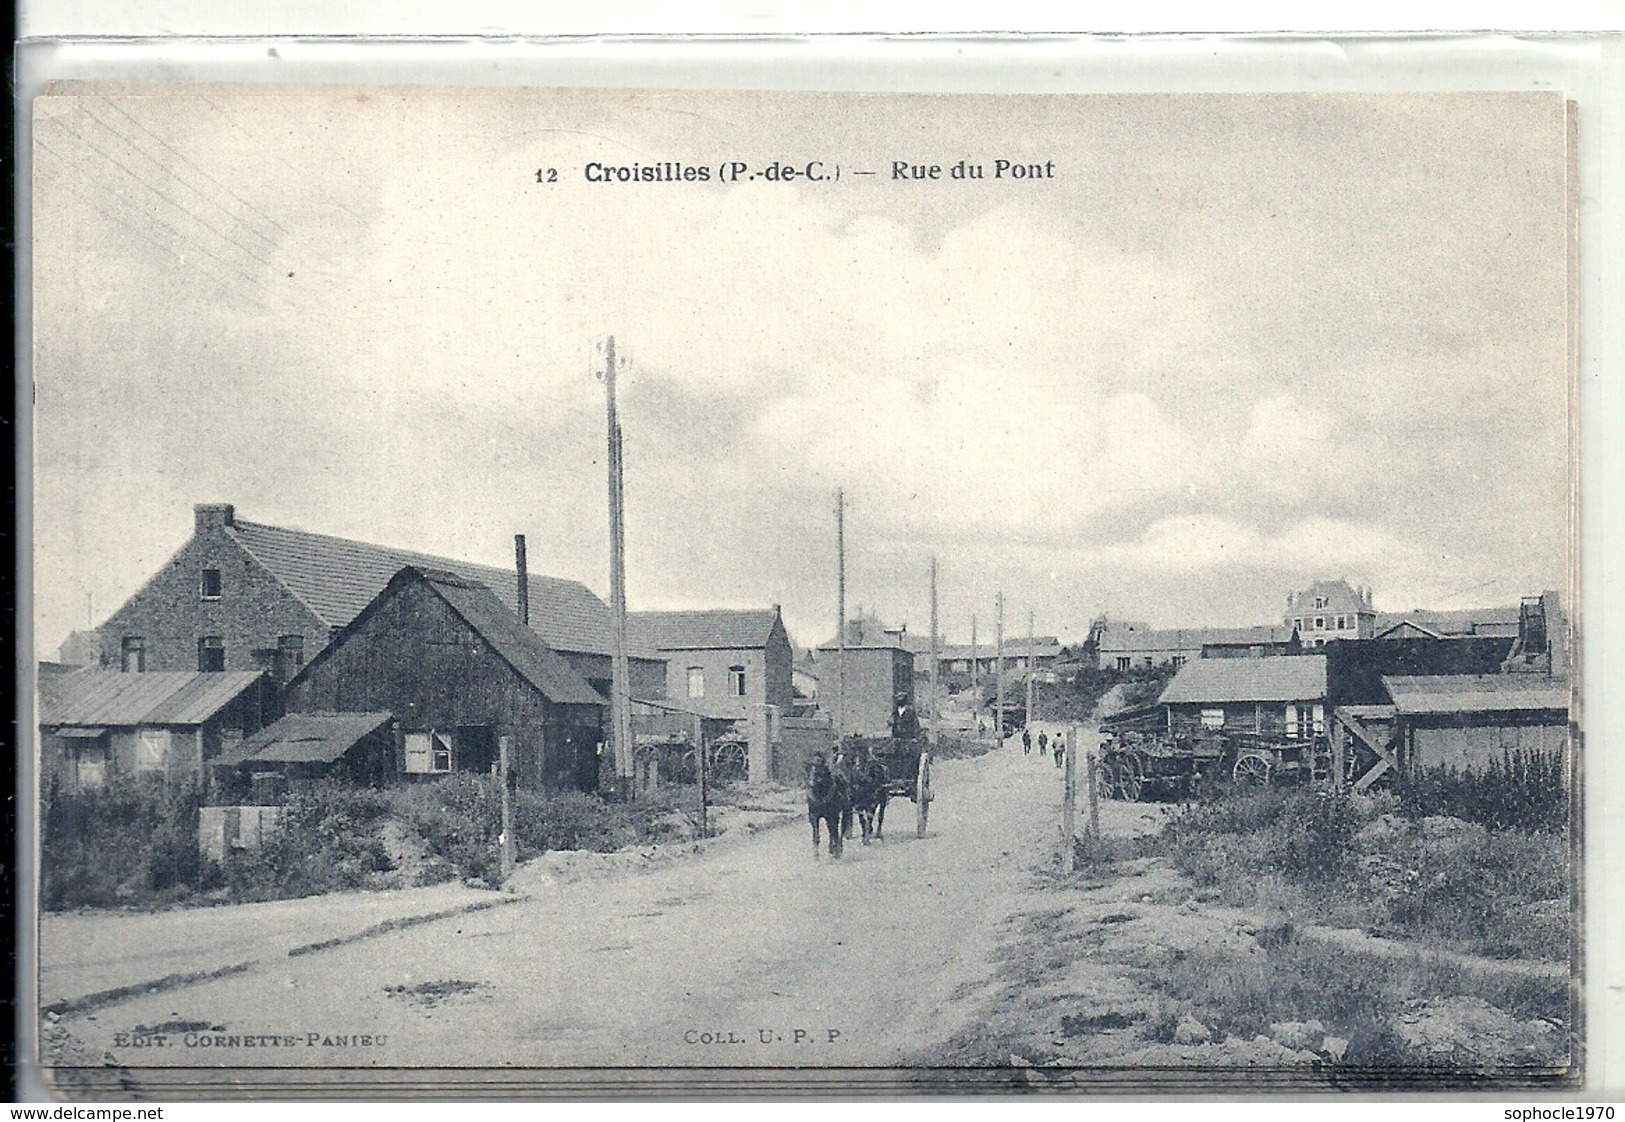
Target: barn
x,y
457,671
1465,722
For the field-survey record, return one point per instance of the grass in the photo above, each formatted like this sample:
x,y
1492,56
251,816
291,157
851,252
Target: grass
x,y
1346,862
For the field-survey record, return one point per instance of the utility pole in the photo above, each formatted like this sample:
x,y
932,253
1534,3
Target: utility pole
x,y
620,699
998,667
1069,799
975,679
840,609
936,705
505,778
1031,666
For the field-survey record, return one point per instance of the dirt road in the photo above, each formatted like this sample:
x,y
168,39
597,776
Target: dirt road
x,y
751,954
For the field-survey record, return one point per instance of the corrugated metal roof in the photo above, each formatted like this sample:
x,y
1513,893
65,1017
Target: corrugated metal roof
x,y
101,697
715,629
524,650
305,738
338,577
1476,693
1459,621
1282,678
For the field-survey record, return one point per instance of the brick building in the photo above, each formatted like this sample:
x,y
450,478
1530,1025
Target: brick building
x,y
241,595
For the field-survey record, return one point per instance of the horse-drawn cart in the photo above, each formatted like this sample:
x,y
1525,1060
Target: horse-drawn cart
x,y
1141,758
908,772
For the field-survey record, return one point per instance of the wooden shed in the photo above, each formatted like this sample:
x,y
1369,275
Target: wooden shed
x,y
1282,697
458,671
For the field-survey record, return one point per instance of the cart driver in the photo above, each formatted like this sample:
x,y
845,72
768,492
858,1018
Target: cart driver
x,y
905,722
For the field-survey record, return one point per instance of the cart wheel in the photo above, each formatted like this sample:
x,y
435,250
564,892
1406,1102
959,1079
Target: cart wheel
x,y
1252,771
1128,781
922,796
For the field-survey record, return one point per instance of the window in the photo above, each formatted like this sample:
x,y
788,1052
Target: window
x,y
1123,662
1342,622
211,584
133,658
1213,718
736,680
211,654
1320,602
428,753
696,681
290,655
1178,660
90,766
1297,625
1320,720
1320,623
1292,722
151,749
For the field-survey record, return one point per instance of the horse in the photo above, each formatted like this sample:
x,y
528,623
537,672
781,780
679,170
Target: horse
x,y
848,769
869,795
829,800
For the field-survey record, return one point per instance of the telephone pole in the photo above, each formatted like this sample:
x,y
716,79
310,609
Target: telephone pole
x,y
840,609
998,667
1031,666
620,699
975,679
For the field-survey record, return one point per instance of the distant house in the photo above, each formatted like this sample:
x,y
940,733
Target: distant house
x,y
721,663
81,648
860,698
726,664
1455,624
1328,610
1279,697
1250,642
1464,722
241,595
457,671
98,725
1144,648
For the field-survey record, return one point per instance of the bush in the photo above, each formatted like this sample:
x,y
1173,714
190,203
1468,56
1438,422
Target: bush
x,y
133,842
326,840
1522,790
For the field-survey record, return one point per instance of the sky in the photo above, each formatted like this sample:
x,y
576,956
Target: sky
x,y
1226,346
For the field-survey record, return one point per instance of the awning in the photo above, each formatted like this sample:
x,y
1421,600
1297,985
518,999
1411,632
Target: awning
x,y
80,733
304,738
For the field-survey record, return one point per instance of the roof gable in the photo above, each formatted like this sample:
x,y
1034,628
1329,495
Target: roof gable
x,y
713,629
305,738
478,607
337,578
1282,678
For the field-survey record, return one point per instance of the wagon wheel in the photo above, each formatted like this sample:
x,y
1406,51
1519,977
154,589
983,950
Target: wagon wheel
x,y
922,795
1129,781
1252,770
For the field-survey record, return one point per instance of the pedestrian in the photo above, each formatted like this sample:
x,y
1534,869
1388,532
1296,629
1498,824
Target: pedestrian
x,y
1060,750
1043,742
1026,741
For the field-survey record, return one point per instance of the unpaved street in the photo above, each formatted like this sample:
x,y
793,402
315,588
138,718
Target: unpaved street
x,y
752,953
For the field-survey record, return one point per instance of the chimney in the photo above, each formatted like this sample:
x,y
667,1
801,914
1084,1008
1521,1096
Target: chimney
x,y
213,516
523,571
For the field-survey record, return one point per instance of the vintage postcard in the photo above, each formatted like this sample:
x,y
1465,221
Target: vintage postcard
x,y
567,591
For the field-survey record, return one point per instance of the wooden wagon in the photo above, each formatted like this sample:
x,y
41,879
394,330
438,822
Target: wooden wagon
x,y
908,771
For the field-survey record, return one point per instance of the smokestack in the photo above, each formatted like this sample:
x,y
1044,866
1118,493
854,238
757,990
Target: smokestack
x,y
524,578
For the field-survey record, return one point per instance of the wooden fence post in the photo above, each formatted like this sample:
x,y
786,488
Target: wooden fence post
x,y
1069,798
1094,790
505,777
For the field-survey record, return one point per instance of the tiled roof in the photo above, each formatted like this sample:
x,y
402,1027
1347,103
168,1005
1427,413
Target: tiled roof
x,y
305,738
102,697
1476,693
1286,678
337,577
1169,639
716,629
1245,636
